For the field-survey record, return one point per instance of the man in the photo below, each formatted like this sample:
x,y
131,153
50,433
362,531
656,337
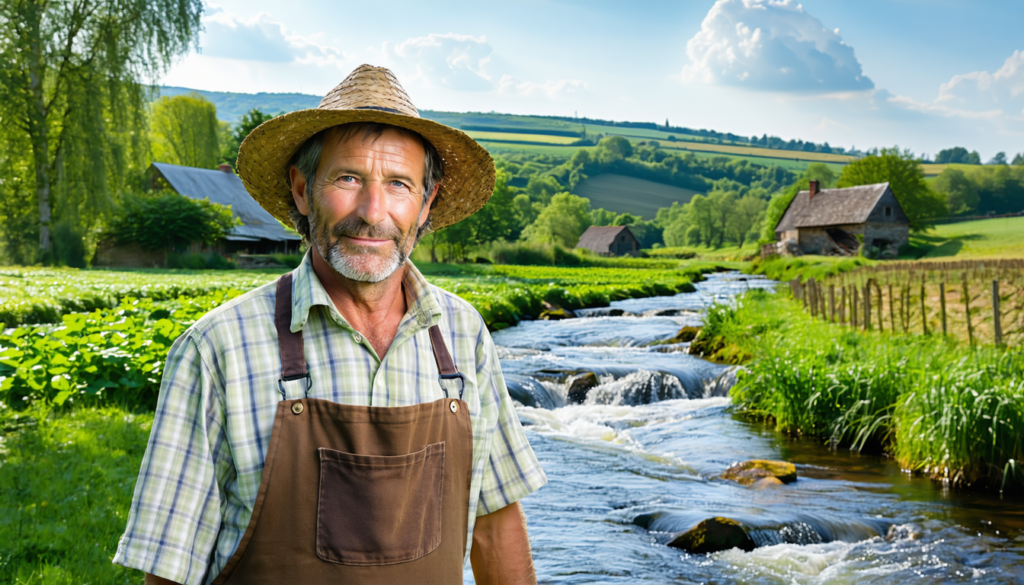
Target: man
x,y
348,423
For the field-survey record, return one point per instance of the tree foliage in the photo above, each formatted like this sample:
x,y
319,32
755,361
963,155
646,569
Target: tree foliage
x,y
168,221
957,155
982,190
73,79
233,141
906,179
185,131
561,222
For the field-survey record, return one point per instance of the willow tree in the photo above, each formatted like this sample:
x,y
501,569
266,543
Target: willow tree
x,y
185,131
73,82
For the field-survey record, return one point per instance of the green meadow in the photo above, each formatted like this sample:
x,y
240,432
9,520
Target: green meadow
x,y
985,238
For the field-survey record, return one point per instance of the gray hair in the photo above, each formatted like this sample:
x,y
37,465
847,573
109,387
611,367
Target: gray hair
x,y
307,161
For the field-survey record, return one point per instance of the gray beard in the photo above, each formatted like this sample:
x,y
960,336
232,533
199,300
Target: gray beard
x,y
345,265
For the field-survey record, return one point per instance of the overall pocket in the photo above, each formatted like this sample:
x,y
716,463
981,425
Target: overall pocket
x,y
379,510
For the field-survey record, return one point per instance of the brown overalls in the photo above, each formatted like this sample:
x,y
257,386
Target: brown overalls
x,y
358,494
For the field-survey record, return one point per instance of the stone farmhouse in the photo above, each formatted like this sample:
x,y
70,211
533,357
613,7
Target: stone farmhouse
x,y
609,241
836,221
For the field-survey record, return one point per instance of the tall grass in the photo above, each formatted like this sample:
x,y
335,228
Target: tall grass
x,y
949,412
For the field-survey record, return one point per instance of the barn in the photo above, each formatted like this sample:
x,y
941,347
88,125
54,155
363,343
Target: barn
x,y
609,241
836,221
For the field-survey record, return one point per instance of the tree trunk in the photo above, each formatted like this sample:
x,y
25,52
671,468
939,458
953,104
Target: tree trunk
x,y
37,123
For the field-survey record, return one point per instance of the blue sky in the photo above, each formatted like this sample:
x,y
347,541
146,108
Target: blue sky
x,y
925,75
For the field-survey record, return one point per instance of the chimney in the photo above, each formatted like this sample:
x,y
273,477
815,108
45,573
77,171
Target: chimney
x,y
814,190
225,168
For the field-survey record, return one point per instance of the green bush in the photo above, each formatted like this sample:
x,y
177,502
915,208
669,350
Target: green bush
x,y
68,247
168,221
200,261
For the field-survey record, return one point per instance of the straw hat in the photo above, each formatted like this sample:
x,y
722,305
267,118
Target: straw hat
x,y
368,94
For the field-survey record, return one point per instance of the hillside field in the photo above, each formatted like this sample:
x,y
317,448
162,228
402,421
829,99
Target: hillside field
x,y
623,194
985,238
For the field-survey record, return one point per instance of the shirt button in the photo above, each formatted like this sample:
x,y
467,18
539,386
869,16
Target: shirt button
x,y
297,408
357,338
454,406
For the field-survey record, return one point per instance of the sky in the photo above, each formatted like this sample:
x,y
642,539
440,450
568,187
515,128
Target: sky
x,y
919,74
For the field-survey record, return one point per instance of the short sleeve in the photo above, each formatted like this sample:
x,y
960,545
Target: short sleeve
x,y
512,470
175,512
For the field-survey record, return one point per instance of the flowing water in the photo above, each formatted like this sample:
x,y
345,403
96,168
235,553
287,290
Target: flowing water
x,y
651,438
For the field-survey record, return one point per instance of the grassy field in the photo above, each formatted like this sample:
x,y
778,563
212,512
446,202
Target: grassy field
x,y
729,253
511,137
985,238
757,151
642,197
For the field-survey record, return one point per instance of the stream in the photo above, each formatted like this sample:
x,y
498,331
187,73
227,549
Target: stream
x,y
656,432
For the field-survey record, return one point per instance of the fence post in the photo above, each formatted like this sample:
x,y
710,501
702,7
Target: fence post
x,y
967,309
892,313
832,303
854,305
942,304
867,305
842,308
924,312
812,303
824,304
995,313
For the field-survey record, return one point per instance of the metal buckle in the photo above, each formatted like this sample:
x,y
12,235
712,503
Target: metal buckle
x,y
281,381
456,375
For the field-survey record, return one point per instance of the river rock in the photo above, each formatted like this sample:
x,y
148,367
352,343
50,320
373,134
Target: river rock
x,y
751,471
556,314
714,535
765,483
577,386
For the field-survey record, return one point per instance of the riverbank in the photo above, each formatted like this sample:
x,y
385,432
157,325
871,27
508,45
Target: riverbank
x,y
950,412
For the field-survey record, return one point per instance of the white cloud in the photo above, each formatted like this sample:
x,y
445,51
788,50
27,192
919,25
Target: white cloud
x,y
552,89
1002,90
771,45
260,39
451,61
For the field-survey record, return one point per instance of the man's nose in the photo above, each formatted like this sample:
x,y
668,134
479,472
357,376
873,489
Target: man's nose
x,y
372,203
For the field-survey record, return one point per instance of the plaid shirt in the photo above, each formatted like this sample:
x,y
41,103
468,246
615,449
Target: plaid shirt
x,y
204,462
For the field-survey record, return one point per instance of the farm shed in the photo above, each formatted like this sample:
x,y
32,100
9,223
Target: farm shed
x,y
260,232
835,221
609,241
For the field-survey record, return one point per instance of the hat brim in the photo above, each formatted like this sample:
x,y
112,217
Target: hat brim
x,y
265,155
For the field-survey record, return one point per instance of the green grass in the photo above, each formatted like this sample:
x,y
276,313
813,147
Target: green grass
x,y
941,409
984,238
786,268
65,490
729,253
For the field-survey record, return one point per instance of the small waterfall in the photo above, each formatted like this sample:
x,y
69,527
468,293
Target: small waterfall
x,y
640,387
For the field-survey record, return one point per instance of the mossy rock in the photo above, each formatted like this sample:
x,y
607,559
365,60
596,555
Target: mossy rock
x,y
751,471
556,315
714,535
686,334
716,349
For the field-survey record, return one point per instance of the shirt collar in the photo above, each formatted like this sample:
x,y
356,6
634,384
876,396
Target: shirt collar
x,y
307,292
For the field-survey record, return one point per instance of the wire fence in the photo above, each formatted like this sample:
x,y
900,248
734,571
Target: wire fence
x,y
978,302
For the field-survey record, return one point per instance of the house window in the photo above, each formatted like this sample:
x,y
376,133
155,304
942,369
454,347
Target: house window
x,y
888,211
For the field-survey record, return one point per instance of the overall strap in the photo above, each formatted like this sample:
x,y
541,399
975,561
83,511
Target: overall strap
x,y
293,359
445,364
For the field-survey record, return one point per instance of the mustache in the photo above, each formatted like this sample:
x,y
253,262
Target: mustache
x,y
358,228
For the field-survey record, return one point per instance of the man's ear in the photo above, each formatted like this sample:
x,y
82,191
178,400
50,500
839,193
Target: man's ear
x,y
426,206
298,183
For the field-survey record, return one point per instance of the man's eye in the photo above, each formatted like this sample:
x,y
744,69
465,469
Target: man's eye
x,y
399,185
345,179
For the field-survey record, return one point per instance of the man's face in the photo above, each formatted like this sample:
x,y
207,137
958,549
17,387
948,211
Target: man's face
x,y
367,203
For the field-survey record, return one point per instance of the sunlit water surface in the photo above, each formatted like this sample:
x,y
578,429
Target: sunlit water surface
x,y
653,436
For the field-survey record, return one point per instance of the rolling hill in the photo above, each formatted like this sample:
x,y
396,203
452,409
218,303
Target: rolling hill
x,y
644,197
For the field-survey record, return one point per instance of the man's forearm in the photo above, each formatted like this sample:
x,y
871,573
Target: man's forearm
x,y
501,549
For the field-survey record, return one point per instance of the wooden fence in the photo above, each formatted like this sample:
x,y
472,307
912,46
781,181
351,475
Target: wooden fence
x,y
977,302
